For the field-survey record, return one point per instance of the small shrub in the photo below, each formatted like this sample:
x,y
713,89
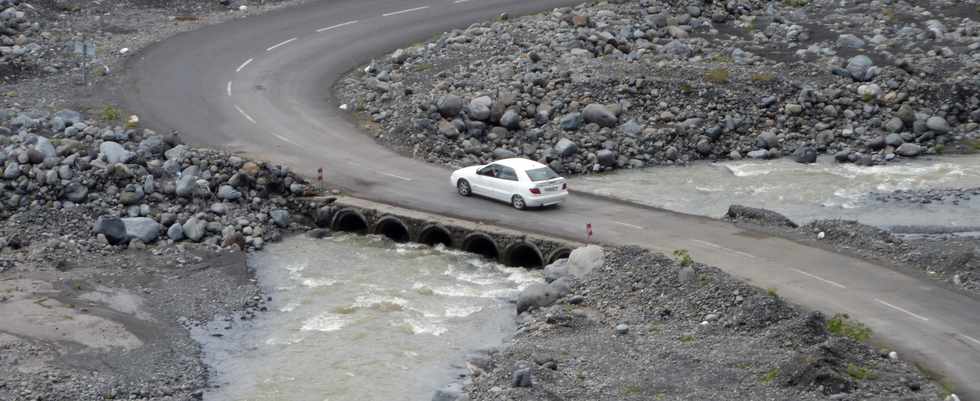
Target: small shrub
x,y
110,114
773,292
859,372
683,257
940,149
717,75
769,376
841,325
686,88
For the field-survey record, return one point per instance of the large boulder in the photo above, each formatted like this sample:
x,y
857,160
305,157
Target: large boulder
x,y
194,228
861,68
909,149
112,228
536,296
228,193
75,192
759,216
45,147
115,153
606,157
937,124
511,120
599,114
805,155
571,121
448,129
479,108
566,147
280,217
449,105
585,259
142,228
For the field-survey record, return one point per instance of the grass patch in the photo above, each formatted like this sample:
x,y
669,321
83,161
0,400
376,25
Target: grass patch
x,y
422,67
859,372
683,257
773,292
762,77
717,75
110,114
686,338
686,88
796,3
841,325
769,376
630,391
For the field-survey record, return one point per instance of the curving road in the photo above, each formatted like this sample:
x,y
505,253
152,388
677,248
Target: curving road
x,y
262,85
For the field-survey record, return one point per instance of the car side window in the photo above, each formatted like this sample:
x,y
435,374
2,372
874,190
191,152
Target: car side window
x,y
489,171
508,173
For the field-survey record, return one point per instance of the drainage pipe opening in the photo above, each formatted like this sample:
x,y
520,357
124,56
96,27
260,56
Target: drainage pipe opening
x,y
392,228
433,235
523,254
349,220
481,244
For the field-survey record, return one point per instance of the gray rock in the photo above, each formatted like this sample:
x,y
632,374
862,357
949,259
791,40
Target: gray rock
x,y
115,153
894,124
556,270
449,105
502,153
678,49
70,117
566,147
452,392
75,192
861,68
585,259
112,228
44,146
195,229
228,193
686,275
937,124
280,217
175,232
909,149
536,296
599,114
129,198
622,329
851,41
843,156
758,154
151,146
571,121
142,228
767,140
894,140
521,378
12,171
178,153
906,114
606,157
448,129
805,154
511,120
479,108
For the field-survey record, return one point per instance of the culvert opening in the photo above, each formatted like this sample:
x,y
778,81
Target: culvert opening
x,y
563,253
524,255
350,221
481,244
434,235
392,228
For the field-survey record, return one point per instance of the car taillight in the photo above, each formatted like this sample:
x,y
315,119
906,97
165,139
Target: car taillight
x,y
564,186
535,191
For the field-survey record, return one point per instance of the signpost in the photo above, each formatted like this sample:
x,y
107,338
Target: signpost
x,y
588,232
85,50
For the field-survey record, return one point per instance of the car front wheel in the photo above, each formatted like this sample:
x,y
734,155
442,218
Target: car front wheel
x,y
518,202
463,187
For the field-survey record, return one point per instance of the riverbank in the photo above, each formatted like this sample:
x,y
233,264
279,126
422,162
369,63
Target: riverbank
x,y
617,85
643,326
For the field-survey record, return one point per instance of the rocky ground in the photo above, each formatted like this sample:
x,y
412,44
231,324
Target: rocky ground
x,y
642,326
626,84
936,252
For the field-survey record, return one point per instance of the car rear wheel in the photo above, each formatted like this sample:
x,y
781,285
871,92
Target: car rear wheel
x,y
518,202
463,187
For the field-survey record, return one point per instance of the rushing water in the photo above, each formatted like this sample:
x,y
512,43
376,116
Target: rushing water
x,y
357,318
801,192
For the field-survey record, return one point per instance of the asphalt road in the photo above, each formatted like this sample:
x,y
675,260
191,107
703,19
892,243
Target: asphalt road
x,y
262,85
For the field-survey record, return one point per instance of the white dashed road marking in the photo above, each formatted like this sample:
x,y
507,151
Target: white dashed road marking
x,y
716,246
229,88
460,1
813,276
283,43
243,113
395,176
336,26
284,139
245,64
901,310
970,338
404,11
627,225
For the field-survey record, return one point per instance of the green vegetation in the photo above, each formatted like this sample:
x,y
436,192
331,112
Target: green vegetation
x,y
717,75
773,292
859,372
629,391
686,88
683,257
421,67
687,338
762,77
796,3
841,325
110,114
769,376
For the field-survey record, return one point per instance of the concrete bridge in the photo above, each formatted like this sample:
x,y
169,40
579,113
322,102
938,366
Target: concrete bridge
x,y
508,247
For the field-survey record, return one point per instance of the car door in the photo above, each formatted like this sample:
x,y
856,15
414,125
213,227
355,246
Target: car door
x,y
506,183
483,181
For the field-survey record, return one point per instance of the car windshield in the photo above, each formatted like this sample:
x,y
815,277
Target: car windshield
x,y
542,174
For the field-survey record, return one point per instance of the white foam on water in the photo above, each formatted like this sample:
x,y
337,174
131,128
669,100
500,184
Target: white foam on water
x,y
369,300
461,291
326,322
461,310
289,307
314,282
477,277
750,169
421,327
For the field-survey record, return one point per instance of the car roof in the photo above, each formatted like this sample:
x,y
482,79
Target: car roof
x,y
519,163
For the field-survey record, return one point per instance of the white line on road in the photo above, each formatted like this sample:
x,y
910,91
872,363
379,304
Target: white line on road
x,y
283,138
627,225
969,338
336,26
229,88
245,114
835,284
283,43
460,1
396,176
404,11
716,246
242,67
901,310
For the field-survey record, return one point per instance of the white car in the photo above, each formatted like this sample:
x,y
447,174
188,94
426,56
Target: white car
x,y
521,182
